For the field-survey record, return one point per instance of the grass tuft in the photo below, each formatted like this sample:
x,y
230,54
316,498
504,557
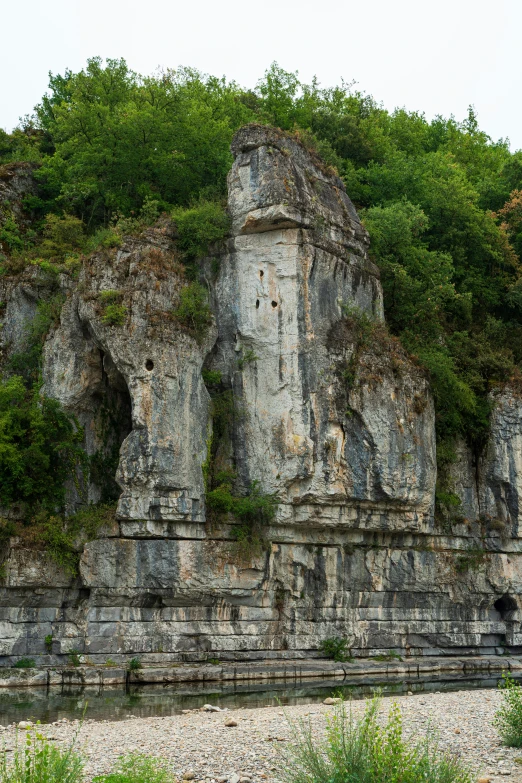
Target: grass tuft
x,y
367,751
508,718
136,768
35,760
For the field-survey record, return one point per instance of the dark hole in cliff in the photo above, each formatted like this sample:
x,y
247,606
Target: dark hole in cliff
x,y
505,605
151,601
112,423
261,273
274,304
149,365
257,304
76,598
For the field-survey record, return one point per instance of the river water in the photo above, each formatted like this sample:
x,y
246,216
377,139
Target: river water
x,y
119,702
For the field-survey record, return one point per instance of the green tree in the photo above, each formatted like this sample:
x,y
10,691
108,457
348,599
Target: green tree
x,y
39,447
119,138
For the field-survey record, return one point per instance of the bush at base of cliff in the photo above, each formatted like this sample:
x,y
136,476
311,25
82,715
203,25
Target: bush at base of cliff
x,y
336,648
508,718
365,751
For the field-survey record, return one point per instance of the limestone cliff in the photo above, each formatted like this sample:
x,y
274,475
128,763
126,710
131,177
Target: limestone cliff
x,y
326,410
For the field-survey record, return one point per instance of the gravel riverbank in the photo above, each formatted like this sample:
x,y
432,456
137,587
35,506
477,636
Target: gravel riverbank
x,y
200,744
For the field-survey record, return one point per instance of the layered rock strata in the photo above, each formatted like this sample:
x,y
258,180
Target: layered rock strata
x,y
325,409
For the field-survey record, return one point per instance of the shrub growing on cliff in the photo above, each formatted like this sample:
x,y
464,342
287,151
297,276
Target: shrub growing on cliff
x,y
508,718
27,361
25,663
63,537
253,512
199,226
63,236
364,751
39,446
336,648
194,310
114,315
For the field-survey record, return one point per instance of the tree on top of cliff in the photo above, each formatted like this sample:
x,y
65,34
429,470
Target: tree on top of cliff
x,y
440,199
117,138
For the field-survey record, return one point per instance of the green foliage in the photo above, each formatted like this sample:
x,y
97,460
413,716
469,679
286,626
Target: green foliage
x,y
391,655
27,362
367,751
63,236
447,506
199,226
114,315
362,328
25,663
211,377
471,560
74,657
508,718
10,235
248,357
35,760
110,296
39,446
134,664
63,538
103,238
135,768
48,641
253,512
119,138
335,648
193,310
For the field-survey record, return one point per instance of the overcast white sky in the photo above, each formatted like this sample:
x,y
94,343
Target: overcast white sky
x,y
436,57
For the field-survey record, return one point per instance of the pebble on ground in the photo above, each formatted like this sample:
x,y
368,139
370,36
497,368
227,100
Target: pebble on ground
x,y
200,746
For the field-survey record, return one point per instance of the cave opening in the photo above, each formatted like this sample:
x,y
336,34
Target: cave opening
x,y
112,424
505,605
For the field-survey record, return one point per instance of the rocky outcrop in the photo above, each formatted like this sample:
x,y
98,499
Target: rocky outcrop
x,y
297,266
145,369
16,183
323,408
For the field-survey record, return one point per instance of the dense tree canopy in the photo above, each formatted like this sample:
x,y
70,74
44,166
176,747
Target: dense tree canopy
x,y
441,200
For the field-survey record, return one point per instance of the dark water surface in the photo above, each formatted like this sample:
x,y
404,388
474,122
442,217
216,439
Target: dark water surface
x,y
120,702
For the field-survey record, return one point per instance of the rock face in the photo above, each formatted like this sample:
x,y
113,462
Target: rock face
x,y
297,266
322,407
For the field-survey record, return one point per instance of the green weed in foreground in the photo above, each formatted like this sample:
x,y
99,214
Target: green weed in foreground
x,y
138,769
363,751
34,760
508,718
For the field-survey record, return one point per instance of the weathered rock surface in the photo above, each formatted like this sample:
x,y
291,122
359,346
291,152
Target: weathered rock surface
x,y
326,410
